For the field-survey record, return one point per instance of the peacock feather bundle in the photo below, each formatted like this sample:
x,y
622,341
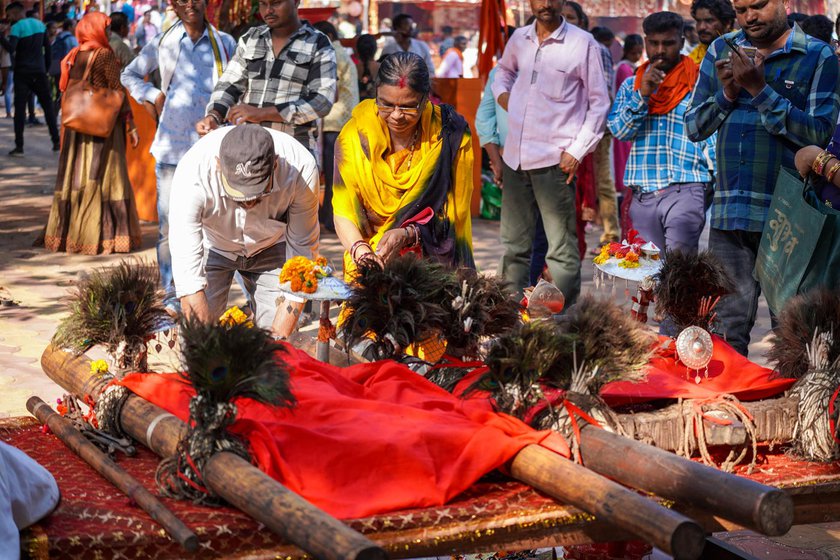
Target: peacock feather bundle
x,y
480,306
398,304
521,361
609,344
814,313
536,367
119,307
223,363
805,347
688,286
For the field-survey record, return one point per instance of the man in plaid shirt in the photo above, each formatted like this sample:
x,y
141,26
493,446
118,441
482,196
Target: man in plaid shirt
x,y
765,105
667,172
283,75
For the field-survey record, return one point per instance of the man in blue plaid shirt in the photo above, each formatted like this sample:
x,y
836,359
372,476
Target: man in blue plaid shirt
x,y
776,92
283,76
667,172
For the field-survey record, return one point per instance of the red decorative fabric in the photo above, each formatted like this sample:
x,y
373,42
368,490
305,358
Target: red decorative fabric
x,y
729,373
491,35
95,520
367,439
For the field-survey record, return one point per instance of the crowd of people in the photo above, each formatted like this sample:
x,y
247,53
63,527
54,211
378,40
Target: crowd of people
x,y
692,124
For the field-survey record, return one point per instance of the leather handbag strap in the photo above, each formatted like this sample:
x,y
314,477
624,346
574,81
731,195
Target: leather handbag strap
x,y
89,65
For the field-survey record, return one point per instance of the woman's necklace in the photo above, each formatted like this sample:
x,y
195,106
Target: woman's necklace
x,y
413,146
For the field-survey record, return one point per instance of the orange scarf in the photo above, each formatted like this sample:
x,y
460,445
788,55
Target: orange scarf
x,y
90,32
457,51
677,83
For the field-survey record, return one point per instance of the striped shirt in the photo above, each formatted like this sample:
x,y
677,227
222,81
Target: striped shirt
x,y
662,153
758,135
300,82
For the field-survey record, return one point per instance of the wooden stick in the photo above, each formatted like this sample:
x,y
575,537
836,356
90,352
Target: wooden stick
x,y
102,464
756,506
265,499
571,483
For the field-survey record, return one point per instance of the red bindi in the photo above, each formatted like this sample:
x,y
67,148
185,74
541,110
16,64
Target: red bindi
x,y
403,81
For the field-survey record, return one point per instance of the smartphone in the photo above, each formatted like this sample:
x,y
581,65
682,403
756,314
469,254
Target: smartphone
x,y
750,52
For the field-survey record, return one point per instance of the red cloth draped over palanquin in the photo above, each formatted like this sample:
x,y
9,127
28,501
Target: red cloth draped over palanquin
x,y
729,373
365,439
377,437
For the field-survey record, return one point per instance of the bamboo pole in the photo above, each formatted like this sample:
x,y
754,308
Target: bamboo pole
x,y
750,504
265,499
113,473
574,484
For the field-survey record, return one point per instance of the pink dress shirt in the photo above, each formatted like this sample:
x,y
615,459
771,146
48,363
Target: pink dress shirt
x,y
558,89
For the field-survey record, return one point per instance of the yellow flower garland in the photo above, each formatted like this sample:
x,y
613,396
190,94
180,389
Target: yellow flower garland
x,y
235,316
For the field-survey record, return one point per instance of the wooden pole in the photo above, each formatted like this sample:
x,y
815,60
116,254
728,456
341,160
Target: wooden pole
x,y
574,484
109,470
323,347
750,504
265,499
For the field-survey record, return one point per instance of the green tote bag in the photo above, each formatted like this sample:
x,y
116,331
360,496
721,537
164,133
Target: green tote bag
x,y
800,244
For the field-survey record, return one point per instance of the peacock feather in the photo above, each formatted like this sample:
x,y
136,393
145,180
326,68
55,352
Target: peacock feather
x,y
684,281
228,362
113,305
397,304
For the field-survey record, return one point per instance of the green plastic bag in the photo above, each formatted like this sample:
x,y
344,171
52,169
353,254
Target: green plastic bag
x,y
491,201
800,244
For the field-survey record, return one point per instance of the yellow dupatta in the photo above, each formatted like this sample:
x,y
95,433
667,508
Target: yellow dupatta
x,y
370,189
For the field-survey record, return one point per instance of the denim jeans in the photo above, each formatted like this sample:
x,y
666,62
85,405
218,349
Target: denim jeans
x,y
542,191
164,173
737,252
260,279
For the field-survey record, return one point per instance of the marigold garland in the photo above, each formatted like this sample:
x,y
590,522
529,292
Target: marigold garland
x,y
235,316
303,274
99,367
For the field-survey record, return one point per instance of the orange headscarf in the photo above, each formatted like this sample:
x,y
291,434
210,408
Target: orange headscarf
x,y
677,83
90,32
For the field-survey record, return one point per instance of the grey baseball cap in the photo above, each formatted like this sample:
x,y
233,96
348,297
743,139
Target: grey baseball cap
x,y
247,158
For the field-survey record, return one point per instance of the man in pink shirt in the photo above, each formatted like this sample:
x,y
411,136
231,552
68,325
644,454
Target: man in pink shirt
x,y
551,81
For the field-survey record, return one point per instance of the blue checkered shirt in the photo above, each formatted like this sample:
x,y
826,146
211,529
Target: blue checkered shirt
x,y
758,135
662,153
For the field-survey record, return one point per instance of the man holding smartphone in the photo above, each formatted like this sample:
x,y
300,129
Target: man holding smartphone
x,y
764,106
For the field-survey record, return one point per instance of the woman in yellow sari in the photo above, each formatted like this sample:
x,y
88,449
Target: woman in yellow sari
x,y
403,173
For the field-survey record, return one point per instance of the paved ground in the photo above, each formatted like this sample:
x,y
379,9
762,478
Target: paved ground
x,y
34,282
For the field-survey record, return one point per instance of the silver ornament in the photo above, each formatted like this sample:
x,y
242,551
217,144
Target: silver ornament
x,y
694,348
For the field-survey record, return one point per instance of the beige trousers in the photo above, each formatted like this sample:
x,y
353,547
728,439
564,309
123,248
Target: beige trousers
x,y
605,187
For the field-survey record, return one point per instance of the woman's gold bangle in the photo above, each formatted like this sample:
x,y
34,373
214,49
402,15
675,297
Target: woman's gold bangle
x,y
820,162
829,176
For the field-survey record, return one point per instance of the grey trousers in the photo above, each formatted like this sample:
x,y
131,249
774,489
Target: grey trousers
x,y
260,278
673,217
545,191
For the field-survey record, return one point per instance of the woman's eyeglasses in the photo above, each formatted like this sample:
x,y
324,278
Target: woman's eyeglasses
x,y
385,109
